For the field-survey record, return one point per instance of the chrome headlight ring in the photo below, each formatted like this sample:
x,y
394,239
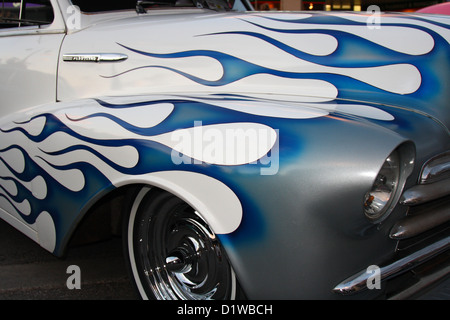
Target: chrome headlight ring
x,y
388,186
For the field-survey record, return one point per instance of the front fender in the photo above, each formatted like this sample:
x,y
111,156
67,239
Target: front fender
x,y
73,152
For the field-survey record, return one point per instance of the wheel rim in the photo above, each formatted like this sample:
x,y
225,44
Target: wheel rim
x,y
176,254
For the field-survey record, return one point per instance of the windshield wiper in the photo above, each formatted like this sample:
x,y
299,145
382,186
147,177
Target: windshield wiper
x,y
140,4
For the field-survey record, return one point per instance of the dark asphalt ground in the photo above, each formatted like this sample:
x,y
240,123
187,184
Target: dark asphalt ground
x,y
28,272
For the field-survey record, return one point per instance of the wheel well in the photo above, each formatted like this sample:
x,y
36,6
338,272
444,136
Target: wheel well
x,y
104,218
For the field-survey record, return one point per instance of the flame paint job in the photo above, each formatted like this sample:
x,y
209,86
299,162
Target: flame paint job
x,y
334,96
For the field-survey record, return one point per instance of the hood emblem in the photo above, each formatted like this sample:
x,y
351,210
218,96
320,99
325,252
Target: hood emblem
x,y
94,57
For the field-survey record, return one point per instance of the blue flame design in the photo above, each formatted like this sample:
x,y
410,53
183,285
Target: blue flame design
x,y
353,51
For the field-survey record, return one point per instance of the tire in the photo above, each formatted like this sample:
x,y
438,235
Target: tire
x,y
172,253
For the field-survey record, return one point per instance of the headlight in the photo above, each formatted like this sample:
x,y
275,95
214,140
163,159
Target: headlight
x,y
378,200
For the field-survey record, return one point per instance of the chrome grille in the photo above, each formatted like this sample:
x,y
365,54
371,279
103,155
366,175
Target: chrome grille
x,y
423,234
427,200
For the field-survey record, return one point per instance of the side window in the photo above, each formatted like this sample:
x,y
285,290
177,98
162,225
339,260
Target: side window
x,y
14,14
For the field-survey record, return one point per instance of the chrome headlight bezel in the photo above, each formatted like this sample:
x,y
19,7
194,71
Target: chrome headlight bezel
x,y
389,183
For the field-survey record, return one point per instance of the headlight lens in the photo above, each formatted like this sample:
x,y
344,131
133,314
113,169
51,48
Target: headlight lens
x,y
378,200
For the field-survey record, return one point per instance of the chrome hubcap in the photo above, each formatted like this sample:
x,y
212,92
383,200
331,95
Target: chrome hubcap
x,y
180,257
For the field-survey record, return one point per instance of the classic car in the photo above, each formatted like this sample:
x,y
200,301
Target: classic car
x,y
239,154
440,8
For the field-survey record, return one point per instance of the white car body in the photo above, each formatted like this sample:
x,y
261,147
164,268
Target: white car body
x,y
350,123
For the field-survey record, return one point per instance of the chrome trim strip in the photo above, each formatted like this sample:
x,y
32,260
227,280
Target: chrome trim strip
x,y
23,31
436,168
94,57
423,283
358,282
423,193
414,225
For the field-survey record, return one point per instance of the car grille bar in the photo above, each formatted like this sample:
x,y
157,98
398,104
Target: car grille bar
x,y
437,168
427,210
423,193
420,220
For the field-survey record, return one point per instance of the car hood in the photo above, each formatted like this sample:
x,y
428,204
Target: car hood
x,y
392,60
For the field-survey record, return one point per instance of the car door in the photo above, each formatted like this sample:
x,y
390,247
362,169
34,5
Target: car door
x,y
31,33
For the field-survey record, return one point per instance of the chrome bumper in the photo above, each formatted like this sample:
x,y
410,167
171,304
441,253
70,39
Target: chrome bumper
x,y
359,281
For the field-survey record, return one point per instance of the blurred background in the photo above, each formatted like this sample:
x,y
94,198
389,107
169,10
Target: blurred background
x,y
344,5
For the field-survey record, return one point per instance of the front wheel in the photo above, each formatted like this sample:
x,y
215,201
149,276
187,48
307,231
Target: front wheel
x,y
173,253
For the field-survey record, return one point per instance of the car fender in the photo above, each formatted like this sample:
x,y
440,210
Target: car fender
x,y
66,155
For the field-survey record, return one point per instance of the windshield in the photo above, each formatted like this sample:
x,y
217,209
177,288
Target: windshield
x,y
90,6
15,14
